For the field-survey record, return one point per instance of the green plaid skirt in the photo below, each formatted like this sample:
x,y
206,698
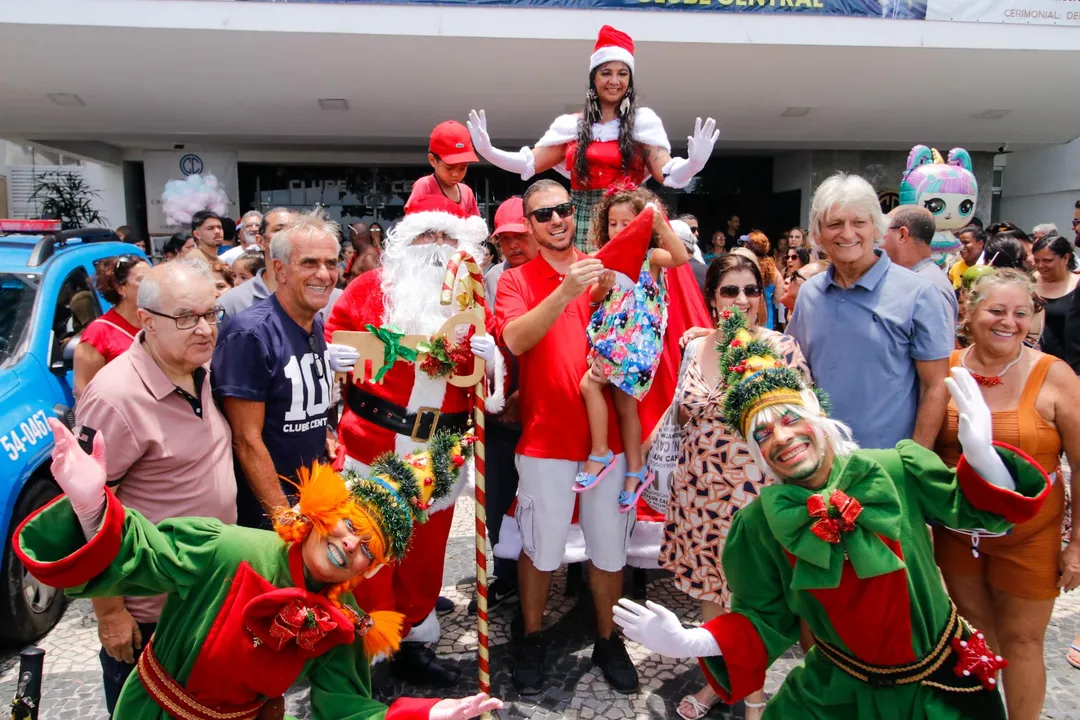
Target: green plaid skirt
x,y
585,202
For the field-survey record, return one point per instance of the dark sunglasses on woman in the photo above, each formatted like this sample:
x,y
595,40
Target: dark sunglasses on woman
x,y
544,214
730,292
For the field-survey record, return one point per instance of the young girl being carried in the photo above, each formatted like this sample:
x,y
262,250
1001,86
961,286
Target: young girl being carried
x,y
626,336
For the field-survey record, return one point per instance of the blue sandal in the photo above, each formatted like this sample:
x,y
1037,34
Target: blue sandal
x,y
627,500
587,481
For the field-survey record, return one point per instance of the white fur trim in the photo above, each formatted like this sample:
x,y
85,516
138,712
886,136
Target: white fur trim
x,y
562,131
472,229
648,130
426,632
611,53
496,400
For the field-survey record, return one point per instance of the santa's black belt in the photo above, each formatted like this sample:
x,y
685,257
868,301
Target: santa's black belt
x,y
420,426
935,671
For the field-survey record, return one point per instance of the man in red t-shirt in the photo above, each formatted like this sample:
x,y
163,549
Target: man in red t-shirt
x,y
542,311
450,151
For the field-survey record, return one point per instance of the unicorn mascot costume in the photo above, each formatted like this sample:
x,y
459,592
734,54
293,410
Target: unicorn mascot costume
x,y
947,188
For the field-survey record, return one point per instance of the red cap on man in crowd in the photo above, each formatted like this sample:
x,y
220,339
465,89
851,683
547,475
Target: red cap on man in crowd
x,y
451,142
510,217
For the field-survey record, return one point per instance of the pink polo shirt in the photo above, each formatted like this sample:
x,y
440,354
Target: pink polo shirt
x,y
168,455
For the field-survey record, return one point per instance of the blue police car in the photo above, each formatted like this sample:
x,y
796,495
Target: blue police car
x,y
47,297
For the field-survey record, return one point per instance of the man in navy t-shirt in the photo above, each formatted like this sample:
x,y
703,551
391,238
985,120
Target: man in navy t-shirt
x,y
273,371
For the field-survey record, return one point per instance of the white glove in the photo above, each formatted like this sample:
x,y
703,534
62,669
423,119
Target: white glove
x,y
520,162
699,147
657,628
81,476
483,347
464,708
342,357
976,430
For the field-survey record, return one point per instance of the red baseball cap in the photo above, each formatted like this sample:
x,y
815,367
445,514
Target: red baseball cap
x,y
510,217
451,142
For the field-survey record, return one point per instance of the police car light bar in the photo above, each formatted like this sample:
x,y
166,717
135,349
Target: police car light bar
x,y
29,226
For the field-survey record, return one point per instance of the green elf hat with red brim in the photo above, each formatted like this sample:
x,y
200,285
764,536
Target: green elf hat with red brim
x,y
625,253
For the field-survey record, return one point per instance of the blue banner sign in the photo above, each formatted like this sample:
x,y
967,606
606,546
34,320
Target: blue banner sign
x,y
894,9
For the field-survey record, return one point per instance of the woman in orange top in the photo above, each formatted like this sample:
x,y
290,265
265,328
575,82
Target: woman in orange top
x,y
1006,585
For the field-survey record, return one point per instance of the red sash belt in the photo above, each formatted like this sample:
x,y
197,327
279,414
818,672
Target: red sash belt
x,y
175,700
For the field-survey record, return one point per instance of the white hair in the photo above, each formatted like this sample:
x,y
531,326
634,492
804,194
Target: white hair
x,y
179,271
311,224
845,191
832,433
1046,229
251,214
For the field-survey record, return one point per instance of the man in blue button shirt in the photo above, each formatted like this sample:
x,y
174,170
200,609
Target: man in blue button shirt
x,y
877,337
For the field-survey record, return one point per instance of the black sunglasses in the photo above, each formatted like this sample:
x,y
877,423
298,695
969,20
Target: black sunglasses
x,y
544,214
318,361
730,292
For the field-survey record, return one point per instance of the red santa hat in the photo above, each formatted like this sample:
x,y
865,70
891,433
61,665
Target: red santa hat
x,y
626,251
612,45
437,213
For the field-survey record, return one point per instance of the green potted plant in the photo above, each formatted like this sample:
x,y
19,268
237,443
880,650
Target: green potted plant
x,y
65,196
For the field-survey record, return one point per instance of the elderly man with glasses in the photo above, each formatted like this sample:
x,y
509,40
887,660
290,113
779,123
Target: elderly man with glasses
x,y
170,448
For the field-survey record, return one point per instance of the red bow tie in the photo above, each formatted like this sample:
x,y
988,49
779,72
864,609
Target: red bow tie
x,y
830,525
307,625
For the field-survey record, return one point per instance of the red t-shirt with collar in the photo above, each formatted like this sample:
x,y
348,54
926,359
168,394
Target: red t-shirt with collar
x,y
552,410
429,185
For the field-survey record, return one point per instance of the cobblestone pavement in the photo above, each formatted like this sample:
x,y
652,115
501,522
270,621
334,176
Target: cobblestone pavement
x,y
72,687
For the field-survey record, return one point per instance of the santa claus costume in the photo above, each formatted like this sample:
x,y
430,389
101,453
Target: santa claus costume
x,y
401,409
623,143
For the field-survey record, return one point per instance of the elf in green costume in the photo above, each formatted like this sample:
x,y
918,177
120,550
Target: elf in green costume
x,y
249,612
841,541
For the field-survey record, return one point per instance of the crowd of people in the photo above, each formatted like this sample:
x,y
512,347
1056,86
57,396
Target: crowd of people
x,y
832,393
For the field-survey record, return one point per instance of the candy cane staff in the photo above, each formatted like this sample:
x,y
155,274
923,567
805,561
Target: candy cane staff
x,y
474,296
249,612
841,541
399,409
611,141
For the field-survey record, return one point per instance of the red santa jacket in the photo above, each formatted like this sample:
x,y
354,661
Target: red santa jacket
x,y
362,303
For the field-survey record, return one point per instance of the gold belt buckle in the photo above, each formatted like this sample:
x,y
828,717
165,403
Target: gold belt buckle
x,y
420,413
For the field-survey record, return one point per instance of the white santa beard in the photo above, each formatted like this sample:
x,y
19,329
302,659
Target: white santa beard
x,y
412,284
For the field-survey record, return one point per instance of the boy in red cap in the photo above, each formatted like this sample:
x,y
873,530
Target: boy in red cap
x,y
450,151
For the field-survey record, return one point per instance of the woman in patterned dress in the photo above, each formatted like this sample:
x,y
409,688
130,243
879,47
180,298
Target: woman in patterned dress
x,y
715,475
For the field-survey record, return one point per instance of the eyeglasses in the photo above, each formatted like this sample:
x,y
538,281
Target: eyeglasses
x,y
796,276
1076,221
544,214
730,292
313,345
187,322
696,231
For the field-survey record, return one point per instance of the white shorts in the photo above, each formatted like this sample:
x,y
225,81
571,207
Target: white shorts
x,y
545,507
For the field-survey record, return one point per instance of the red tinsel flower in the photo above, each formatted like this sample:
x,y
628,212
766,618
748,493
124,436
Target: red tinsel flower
x,y
736,343
726,314
431,366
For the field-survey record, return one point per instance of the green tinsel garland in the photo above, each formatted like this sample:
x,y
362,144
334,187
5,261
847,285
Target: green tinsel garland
x,y
741,394
397,520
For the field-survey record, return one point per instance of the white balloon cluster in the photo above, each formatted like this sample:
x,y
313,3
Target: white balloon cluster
x,y
183,198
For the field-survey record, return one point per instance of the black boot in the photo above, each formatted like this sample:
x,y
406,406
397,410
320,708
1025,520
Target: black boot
x,y
416,664
609,654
